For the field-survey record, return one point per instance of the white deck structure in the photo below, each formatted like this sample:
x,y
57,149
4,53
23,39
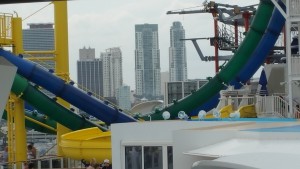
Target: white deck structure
x,y
193,141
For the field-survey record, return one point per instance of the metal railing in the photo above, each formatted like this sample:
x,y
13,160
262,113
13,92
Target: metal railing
x,y
276,106
5,26
49,162
227,37
271,106
294,7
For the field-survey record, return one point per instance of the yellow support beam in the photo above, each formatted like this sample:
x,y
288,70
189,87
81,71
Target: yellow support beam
x,y
20,131
6,42
9,108
40,52
18,112
17,36
62,56
41,58
39,123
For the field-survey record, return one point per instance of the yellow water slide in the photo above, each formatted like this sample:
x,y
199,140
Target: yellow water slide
x,y
87,144
225,112
248,111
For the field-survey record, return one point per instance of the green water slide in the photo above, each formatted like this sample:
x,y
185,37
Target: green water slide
x,y
229,72
31,94
37,122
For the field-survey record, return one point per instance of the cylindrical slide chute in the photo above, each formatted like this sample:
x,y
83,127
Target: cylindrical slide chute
x,y
256,60
97,108
50,107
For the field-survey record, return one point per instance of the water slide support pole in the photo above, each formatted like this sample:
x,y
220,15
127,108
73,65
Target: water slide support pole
x,y
18,112
289,58
216,40
62,56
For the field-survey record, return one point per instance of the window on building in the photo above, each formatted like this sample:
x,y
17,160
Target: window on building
x,y
148,157
153,157
133,157
170,157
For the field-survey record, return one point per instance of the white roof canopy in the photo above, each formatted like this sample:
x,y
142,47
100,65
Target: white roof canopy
x,y
239,146
250,153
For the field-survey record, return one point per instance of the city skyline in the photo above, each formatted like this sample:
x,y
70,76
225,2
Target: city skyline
x,y
103,25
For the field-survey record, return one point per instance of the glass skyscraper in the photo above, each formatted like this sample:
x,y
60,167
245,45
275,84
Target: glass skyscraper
x,y
147,61
177,53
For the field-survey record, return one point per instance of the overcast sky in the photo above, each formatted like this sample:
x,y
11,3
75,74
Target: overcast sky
x,y
103,24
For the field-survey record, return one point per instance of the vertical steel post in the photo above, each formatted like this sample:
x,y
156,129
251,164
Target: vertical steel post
x,y
62,55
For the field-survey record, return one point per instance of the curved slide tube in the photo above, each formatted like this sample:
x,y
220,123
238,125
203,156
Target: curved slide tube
x,y
37,122
207,106
87,144
231,69
261,52
43,103
97,108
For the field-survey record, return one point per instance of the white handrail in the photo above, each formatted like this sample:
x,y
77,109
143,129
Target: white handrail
x,y
49,163
275,106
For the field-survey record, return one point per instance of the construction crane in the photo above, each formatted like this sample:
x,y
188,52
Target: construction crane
x,y
227,14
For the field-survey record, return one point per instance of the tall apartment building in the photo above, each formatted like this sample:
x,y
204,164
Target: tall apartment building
x,y
112,71
123,97
89,72
147,61
39,37
177,53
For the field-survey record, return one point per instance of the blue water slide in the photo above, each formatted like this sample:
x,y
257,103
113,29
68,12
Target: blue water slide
x,y
97,108
207,106
263,49
259,55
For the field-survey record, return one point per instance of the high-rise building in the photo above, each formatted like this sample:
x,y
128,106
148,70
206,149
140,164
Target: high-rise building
x,y
147,61
89,72
39,37
123,97
87,54
112,71
177,53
